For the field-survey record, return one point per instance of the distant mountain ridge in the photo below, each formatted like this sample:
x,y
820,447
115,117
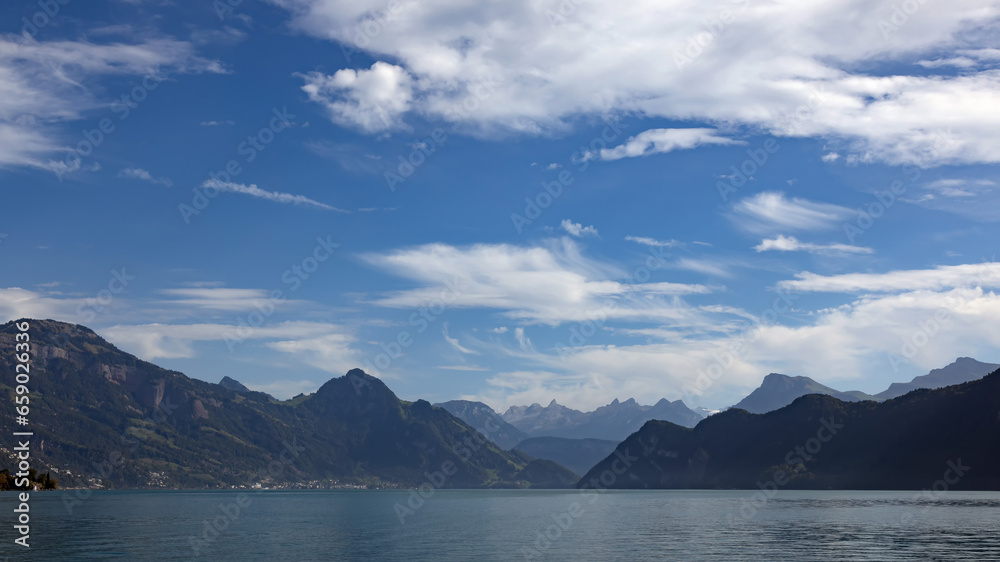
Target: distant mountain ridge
x,y
486,421
146,427
777,391
927,438
963,369
614,421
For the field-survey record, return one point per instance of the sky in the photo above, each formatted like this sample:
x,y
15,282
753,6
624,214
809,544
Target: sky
x,y
508,201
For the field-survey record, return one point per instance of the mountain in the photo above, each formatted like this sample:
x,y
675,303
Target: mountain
x,y
781,390
103,418
233,384
578,455
948,438
483,419
964,369
615,421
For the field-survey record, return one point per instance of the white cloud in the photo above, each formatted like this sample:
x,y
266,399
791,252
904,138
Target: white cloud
x,y
499,330
44,84
830,157
864,339
960,187
771,211
523,340
371,100
942,277
331,352
285,388
661,141
792,244
791,69
140,174
461,367
275,196
173,341
454,341
578,230
547,285
653,242
220,298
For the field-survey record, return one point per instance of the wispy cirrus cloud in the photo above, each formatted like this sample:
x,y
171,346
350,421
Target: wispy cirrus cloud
x,y
986,275
549,284
792,244
276,196
140,174
771,211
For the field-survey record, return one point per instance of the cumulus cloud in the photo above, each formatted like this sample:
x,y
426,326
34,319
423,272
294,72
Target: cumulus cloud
x,y
578,230
788,69
792,244
660,141
372,100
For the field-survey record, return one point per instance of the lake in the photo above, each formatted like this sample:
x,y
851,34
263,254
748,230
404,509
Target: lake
x,y
486,525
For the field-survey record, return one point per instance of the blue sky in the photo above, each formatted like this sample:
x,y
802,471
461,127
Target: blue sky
x,y
510,202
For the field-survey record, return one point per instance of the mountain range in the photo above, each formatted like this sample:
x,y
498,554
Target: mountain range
x,y
104,418
777,390
486,421
946,438
615,421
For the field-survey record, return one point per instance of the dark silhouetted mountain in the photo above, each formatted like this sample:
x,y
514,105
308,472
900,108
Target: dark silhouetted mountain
x,y
614,422
102,417
926,439
778,391
578,455
483,419
964,369
233,384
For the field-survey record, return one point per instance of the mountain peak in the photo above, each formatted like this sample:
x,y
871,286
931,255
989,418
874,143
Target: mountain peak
x,y
233,384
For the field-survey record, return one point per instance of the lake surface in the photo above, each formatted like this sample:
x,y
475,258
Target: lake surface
x,y
508,525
